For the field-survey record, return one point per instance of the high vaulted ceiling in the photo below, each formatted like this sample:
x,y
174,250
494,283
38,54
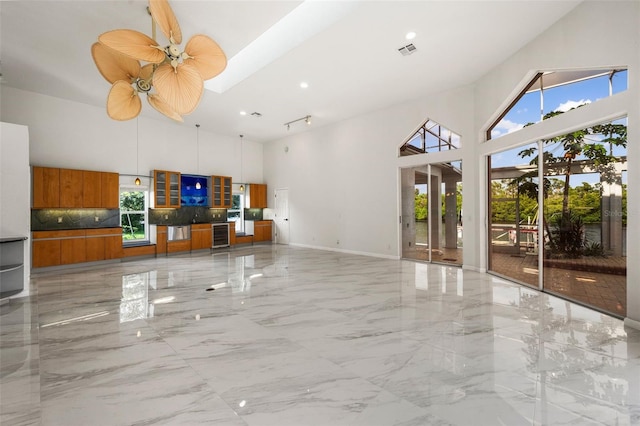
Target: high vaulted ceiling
x,y
347,52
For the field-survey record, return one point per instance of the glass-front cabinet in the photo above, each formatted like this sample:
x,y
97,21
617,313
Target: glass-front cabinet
x,y
221,192
167,189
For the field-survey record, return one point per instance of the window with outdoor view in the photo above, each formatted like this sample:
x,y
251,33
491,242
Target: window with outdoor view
x,y
133,215
430,137
554,92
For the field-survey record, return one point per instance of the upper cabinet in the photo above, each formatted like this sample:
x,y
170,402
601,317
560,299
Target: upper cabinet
x,y
110,190
92,189
221,195
73,189
167,189
46,188
257,196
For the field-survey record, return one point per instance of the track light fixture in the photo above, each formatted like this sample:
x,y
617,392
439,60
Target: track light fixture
x,y
306,118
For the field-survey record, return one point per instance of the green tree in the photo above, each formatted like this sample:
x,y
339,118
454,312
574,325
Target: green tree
x,y
587,144
420,205
580,143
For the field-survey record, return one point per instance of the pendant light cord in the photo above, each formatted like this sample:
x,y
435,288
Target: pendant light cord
x,y
137,145
198,148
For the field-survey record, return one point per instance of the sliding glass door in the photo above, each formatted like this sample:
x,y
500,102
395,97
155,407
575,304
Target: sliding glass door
x,y
575,228
432,212
513,216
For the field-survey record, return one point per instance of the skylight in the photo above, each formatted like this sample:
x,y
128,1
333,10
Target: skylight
x,y
302,23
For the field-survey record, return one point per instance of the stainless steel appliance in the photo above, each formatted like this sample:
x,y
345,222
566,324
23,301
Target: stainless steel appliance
x,y
177,233
220,235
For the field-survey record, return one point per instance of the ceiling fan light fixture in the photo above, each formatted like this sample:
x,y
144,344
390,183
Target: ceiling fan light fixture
x,y
178,81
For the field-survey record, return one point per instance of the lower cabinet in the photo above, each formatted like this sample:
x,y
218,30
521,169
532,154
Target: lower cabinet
x,y
179,245
54,248
201,236
161,239
45,253
73,250
262,230
232,233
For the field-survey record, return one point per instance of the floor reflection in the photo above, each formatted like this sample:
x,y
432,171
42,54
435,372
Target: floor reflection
x,y
296,336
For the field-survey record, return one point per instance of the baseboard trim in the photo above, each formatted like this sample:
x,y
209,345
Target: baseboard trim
x,y
360,253
632,323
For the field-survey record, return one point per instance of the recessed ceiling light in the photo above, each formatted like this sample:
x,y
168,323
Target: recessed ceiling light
x,y
243,112
410,35
304,84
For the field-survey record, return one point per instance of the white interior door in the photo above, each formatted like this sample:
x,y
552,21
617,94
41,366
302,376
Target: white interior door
x,y
282,216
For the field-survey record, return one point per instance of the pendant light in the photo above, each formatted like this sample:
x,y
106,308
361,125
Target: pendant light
x,y
198,186
241,184
137,181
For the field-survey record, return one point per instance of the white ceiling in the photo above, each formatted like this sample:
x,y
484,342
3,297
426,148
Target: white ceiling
x,y
350,60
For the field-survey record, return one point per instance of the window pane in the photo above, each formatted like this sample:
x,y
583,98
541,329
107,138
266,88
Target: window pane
x,y
567,96
619,81
132,201
431,137
133,226
133,215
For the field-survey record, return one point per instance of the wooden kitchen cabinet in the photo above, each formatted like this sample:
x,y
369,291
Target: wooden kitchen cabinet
x,y
71,188
53,248
45,253
232,233
221,192
91,189
110,190
74,189
178,246
257,196
262,230
161,239
104,244
112,243
46,187
167,189
73,248
201,236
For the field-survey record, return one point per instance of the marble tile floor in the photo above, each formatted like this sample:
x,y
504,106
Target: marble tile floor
x,y
279,335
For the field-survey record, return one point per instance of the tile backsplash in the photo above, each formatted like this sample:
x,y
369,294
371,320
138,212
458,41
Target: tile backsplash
x,y
186,215
58,219
253,214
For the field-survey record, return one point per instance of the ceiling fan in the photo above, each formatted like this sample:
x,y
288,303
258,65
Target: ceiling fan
x,y
173,79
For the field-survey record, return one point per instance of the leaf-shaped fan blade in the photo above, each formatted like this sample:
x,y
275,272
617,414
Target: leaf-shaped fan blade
x,y
113,66
134,44
206,55
163,107
166,19
181,88
123,102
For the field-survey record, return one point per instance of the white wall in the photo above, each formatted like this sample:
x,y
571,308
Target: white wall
x,y
72,135
15,189
343,178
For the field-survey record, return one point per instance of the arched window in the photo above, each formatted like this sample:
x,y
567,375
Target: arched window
x,y
553,92
430,137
